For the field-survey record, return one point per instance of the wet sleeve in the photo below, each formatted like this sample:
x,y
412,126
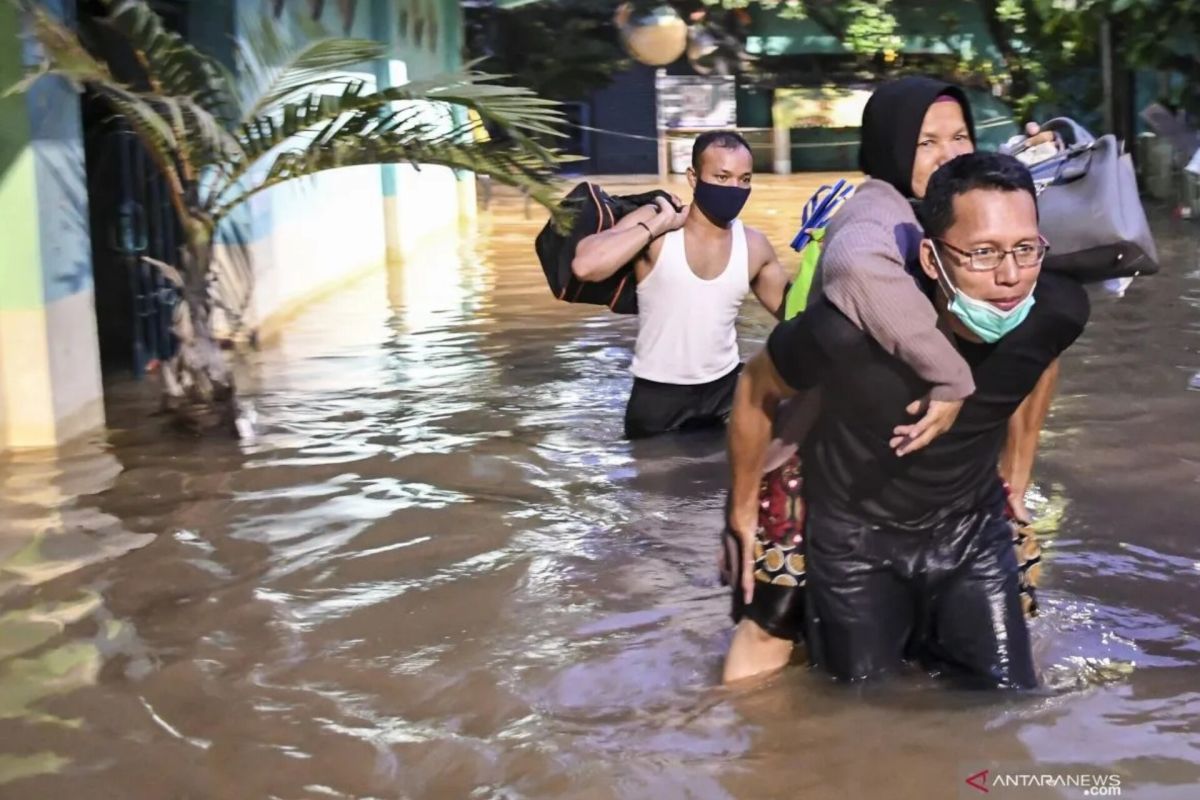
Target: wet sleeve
x,y
794,352
1011,368
1067,308
864,277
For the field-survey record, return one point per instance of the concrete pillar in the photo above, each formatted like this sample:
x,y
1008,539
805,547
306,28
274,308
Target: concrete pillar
x,y
395,73
427,205
782,148
50,387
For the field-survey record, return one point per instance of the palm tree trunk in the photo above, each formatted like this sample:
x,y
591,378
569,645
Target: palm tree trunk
x,y
198,385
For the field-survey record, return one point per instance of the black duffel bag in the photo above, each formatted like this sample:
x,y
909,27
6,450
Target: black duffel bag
x,y
590,210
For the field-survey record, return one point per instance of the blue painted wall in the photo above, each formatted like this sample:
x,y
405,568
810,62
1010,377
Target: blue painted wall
x,y
56,136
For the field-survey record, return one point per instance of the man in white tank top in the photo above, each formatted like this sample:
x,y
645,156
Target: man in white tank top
x,y
693,269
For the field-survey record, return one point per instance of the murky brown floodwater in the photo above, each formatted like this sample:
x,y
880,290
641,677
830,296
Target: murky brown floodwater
x,y
439,573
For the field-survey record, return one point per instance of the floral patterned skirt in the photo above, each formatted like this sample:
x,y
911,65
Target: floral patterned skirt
x,y
779,545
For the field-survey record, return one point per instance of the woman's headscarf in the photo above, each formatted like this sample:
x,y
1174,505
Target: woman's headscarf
x,y
892,122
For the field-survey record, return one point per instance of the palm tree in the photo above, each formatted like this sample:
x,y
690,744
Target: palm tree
x,y
291,112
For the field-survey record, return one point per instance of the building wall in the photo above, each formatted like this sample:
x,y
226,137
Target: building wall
x,y
313,236
50,388
627,106
305,239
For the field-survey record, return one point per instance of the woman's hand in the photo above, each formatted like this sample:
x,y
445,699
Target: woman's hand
x,y
1034,137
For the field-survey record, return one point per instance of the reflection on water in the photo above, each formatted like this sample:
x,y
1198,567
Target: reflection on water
x,y
438,572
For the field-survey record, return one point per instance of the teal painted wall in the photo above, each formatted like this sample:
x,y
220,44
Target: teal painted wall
x,y
427,36
296,24
424,34
209,24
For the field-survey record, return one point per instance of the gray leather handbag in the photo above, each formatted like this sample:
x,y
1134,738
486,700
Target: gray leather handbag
x,y
1090,210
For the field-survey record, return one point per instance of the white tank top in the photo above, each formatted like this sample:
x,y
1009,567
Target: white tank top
x,y
686,332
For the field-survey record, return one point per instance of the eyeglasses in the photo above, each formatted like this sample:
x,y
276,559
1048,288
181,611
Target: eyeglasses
x,y
986,259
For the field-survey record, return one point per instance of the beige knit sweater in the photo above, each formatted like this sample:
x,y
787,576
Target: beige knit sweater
x,y
862,273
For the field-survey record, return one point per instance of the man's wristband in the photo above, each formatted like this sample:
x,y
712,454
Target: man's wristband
x,y
649,232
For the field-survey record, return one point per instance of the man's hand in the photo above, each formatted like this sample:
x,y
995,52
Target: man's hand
x,y
939,416
760,389
744,524
667,219
1016,506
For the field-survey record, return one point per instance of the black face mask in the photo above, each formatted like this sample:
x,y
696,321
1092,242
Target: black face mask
x,y
722,204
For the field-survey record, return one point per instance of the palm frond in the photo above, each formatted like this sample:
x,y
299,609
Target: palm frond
x,y
156,134
173,67
311,116
445,98
64,55
62,52
274,68
155,129
513,108
317,64
360,141
203,141
181,128
261,134
27,80
258,137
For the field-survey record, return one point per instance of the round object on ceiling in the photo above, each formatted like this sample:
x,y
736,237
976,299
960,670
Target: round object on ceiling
x,y
656,37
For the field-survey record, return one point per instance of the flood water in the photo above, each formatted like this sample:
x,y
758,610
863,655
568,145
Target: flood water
x,y
439,573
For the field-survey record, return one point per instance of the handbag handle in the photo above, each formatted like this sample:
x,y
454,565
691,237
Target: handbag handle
x,y
1076,163
1068,166
1073,134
